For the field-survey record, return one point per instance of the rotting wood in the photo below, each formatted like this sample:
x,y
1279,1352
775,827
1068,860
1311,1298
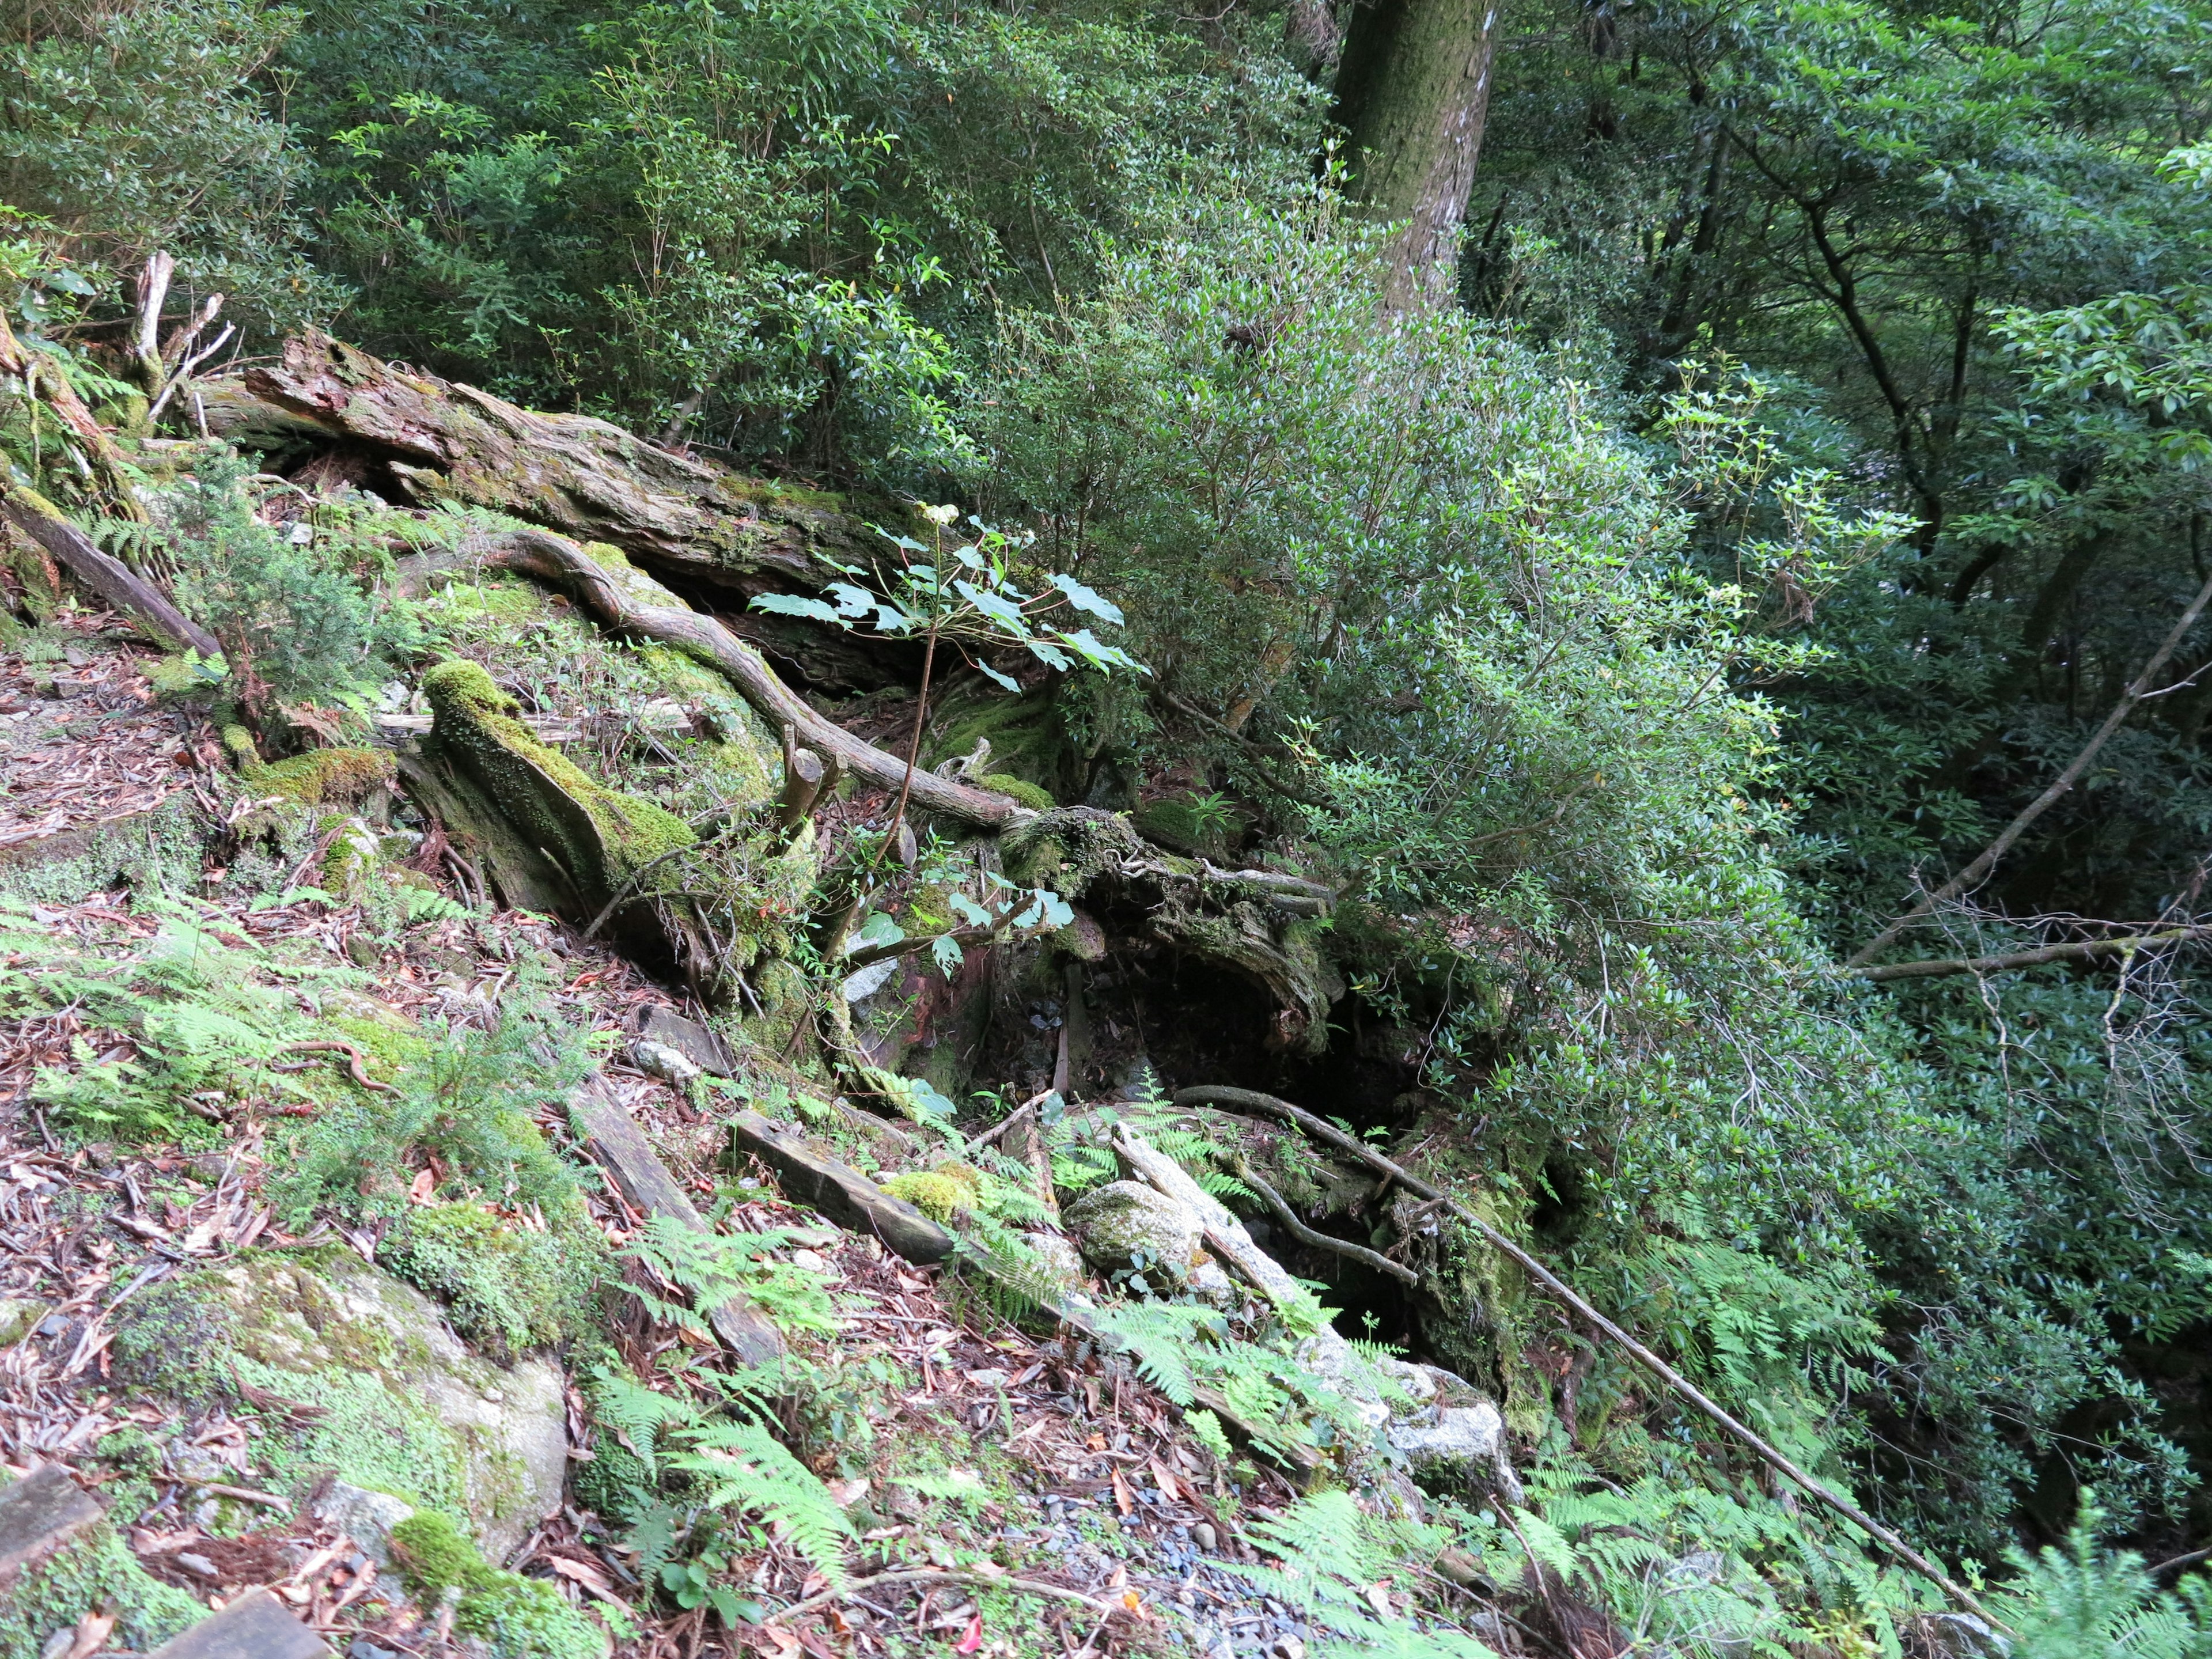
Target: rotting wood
x,y
620,1145
561,562
1674,1381
446,442
838,1191
108,577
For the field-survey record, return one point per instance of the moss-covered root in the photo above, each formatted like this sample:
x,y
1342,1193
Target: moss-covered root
x,y
321,777
600,838
517,1618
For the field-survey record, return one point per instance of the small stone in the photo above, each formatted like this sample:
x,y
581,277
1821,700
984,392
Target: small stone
x,y
361,952
989,1379
1203,1535
658,1060
365,1516
58,1643
199,1564
361,1648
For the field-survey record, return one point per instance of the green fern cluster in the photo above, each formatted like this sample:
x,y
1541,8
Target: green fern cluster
x,y
206,1012
1327,1553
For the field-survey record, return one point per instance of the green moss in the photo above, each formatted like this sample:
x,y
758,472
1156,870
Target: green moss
x,y
948,1191
321,777
599,835
1029,794
505,1290
95,1569
518,1618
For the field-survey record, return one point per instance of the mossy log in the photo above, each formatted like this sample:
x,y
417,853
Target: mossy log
x,y
440,441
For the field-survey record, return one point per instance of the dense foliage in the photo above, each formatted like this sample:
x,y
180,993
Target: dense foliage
x,y
1814,454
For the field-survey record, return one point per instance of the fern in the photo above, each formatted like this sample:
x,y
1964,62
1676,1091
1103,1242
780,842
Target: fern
x,y
2083,1602
712,1268
1327,1553
740,1464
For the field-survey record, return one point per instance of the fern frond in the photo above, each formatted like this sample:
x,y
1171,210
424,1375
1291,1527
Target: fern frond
x,y
741,1465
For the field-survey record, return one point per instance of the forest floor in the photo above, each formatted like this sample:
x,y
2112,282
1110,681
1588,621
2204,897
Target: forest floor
x,y
1085,1479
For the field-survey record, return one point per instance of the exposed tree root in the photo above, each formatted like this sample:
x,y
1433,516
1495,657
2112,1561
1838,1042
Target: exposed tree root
x,y
561,562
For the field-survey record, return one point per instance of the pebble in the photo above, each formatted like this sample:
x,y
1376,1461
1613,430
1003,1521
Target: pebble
x,y
1202,1535
989,1379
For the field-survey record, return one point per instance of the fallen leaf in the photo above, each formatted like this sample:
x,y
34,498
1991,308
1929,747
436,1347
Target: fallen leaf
x,y
585,1574
1378,1597
91,1634
1134,1602
1170,1489
1122,1501
815,1583
973,1638
425,1184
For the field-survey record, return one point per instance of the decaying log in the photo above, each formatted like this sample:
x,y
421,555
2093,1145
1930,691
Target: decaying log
x,y
586,478
560,562
46,381
107,577
613,1137
839,1191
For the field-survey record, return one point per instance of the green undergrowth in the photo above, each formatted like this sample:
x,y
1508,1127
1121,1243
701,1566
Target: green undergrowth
x,y
515,1617
94,1573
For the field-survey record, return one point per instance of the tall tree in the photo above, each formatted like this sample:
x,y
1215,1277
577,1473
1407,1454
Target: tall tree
x,y
1412,95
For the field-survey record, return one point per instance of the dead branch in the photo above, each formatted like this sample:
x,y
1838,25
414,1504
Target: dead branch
x,y
942,1576
2073,950
1673,1380
1306,1235
556,560
2138,689
109,578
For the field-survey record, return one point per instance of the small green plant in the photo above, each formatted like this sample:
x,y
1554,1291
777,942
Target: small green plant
x,y
970,596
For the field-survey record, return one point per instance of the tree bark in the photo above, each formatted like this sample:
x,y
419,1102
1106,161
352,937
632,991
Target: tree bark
x,y
1412,97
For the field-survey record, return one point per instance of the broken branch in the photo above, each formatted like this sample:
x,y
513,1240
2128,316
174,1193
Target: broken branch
x,y
1673,1380
2073,950
1319,1241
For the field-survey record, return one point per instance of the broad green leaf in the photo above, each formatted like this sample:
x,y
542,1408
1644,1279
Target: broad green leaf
x,y
1084,598
792,605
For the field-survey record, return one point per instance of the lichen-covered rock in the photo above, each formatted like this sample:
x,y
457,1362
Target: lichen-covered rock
x,y
1126,1225
397,1404
365,1516
1460,1444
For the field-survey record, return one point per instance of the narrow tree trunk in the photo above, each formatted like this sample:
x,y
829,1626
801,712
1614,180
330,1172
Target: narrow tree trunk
x,y
1412,97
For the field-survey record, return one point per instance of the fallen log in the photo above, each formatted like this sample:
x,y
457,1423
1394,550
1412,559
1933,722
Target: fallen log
x,y
614,1138
561,562
838,1191
440,441
114,583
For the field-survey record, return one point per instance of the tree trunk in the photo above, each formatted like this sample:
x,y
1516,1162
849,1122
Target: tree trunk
x,y
1412,96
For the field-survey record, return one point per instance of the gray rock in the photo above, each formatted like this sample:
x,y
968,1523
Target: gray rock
x,y
1059,1260
1202,1535
254,1626
1465,1443
668,1064
1116,1224
38,1515
402,1406
365,1516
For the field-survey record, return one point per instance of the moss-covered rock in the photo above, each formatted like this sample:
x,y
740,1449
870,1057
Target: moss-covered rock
x,y
600,837
94,1571
404,1408
321,777
944,1194
505,1290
